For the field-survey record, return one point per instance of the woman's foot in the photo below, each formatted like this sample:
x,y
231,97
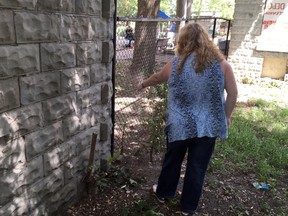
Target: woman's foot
x,y
160,199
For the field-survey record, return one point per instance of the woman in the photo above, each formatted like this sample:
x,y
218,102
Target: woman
x,y
197,112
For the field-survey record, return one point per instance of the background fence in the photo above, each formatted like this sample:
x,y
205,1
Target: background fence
x,y
151,47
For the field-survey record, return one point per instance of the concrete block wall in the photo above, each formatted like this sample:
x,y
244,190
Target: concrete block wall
x,y
55,92
246,61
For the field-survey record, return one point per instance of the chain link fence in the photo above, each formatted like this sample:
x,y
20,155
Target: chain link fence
x,y
140,53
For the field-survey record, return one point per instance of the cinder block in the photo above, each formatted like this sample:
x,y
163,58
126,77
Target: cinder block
x,y
9,94
16,60
7,31
39,87
37,27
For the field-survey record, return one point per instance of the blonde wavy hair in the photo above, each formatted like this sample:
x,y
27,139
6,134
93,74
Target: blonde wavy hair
x,y
193,38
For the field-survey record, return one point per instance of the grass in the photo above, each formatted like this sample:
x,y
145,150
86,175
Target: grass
x,y
257,141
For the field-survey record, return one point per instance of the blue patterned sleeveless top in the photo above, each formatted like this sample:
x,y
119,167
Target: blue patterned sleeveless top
x,y
195,102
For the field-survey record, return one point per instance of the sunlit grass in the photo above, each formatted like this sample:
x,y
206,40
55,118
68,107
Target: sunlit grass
x,y
257,143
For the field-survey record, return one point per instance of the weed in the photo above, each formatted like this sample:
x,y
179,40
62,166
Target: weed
x,y
246,80
156,120
141,208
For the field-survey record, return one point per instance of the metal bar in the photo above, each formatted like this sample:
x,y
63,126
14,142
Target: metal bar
x,y
214,28
227,37
166,20
113,78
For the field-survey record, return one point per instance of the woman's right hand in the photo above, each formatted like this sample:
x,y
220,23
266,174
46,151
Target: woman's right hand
x,y
228,122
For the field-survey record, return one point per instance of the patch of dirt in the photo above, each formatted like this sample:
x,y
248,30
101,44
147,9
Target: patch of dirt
x,y
126,188
131,178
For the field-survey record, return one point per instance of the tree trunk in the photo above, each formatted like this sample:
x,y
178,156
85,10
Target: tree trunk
x,y
189,8
180,13
145,37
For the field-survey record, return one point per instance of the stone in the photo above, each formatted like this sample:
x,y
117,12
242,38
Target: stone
x,y
75,79
92,7
17,60
105,94
99,73
39,141
71,125
7,31
107,51
56,157
48,185
99,28
16,182
58,5
9,94
21,121
12,153
68,172
84,139
89,97
18,206
57,55
64,195
39,87
59,107
108,8
103,132
37,27
75,28
29,4
88,53
86,118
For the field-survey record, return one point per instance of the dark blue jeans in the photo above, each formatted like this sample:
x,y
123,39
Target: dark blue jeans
x,y
199,153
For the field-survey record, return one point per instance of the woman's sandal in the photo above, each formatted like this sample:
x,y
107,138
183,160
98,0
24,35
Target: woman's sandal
x,y
160,199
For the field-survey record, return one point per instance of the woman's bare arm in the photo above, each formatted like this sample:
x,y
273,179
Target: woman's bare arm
x,y
231,89
157,78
